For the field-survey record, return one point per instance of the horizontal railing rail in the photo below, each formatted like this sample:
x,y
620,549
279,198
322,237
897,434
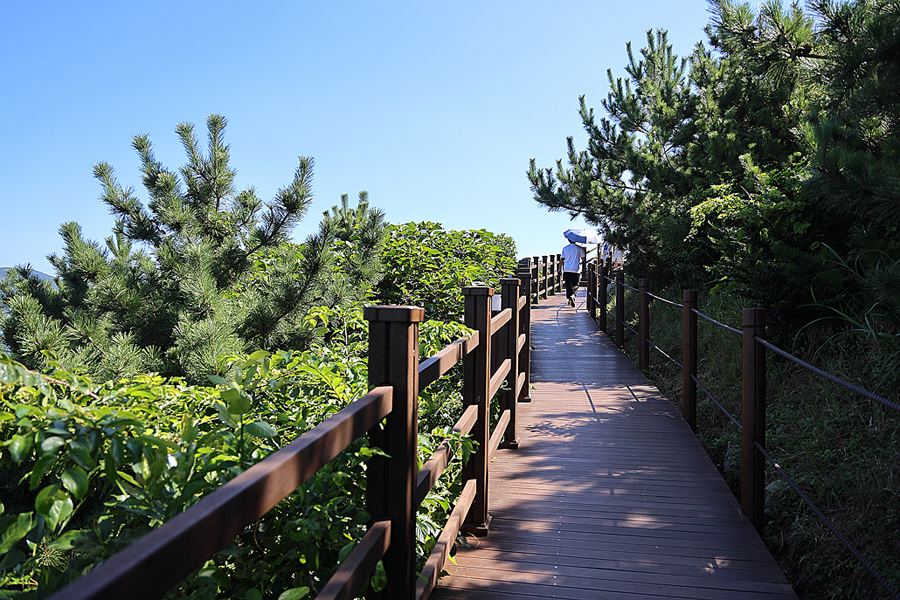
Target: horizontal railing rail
x,y
496,362
754,455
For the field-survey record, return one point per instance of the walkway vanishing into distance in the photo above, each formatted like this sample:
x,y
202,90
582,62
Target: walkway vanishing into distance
x,y
609,495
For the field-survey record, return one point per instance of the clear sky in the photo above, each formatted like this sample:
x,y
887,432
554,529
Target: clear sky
x,y
434,108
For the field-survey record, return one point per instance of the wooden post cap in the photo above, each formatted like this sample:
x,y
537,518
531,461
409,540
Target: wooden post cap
x,y
477,290
402,314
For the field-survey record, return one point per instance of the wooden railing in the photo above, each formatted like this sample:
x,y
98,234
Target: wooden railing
x,y
496,362
546,275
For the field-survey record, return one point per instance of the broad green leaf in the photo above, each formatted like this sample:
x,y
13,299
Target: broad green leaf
x,y
81,457
76,481
239,405
11,560
20,447
59,512
8,374
128,478
52,444
46,497
258,355
294,593
218,380
260,429
14,532
230,394
189,430
68,540
152,440
226,417
41,467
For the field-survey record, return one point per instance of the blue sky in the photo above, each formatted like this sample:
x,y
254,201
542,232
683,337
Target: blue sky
x,y
434,108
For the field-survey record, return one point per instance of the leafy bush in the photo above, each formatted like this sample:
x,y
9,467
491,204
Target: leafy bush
x,y
426,265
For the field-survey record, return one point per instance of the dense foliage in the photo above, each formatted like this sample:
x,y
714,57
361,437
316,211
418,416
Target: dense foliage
x,y
95,452
765,163
426,265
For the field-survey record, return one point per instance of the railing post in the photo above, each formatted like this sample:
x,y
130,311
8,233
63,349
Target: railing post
x,y
643,325
591,290
509,342
551,275
557,274
391,482
535,280
545,276
476,387
689,358
604,274
525,324
620,309
753,466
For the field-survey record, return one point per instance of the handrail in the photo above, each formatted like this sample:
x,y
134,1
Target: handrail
x,y
437,365
353,573
168,554
440,458
754,453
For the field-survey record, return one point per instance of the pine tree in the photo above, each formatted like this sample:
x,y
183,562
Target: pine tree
x,y
177,287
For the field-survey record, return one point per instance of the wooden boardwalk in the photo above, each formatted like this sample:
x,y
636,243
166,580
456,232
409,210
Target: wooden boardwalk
x,y
609,495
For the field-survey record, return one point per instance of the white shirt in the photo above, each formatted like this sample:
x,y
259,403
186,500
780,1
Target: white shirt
x,y
572,255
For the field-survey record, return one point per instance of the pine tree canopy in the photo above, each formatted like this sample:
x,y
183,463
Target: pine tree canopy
x,y
197,272
753,163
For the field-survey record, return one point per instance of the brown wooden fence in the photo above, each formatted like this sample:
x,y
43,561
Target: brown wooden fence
x,y
496,362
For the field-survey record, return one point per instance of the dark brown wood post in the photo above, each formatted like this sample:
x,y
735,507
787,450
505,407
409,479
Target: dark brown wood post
x,y
643,325
591,291
604,273
620,309
753,465
509,343
689,358
545,277
476,387
525,324
559,273
391,482
551,276
535,281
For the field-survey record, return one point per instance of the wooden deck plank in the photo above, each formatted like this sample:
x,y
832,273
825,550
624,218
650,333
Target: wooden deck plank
x,y
609,495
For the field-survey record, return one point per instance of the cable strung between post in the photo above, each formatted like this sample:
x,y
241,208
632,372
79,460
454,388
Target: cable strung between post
x,y
716,402
831,526
661,351
714,322
833,378
675,304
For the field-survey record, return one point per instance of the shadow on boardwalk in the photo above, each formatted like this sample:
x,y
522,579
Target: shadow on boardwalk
x,y
609,494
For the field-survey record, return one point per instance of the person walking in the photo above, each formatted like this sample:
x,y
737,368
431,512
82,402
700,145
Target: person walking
x,y
572,255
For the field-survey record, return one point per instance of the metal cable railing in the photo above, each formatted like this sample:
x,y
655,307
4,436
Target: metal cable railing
x,y
829,524
717,403
675,304
661,351
714,322
834,379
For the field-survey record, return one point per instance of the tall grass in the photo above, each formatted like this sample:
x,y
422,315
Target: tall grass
x,y
842,450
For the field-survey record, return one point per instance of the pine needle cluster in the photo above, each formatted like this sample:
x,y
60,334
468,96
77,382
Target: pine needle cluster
x,y
198,272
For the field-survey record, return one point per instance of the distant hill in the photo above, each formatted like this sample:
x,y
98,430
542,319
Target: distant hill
x,y
3,271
